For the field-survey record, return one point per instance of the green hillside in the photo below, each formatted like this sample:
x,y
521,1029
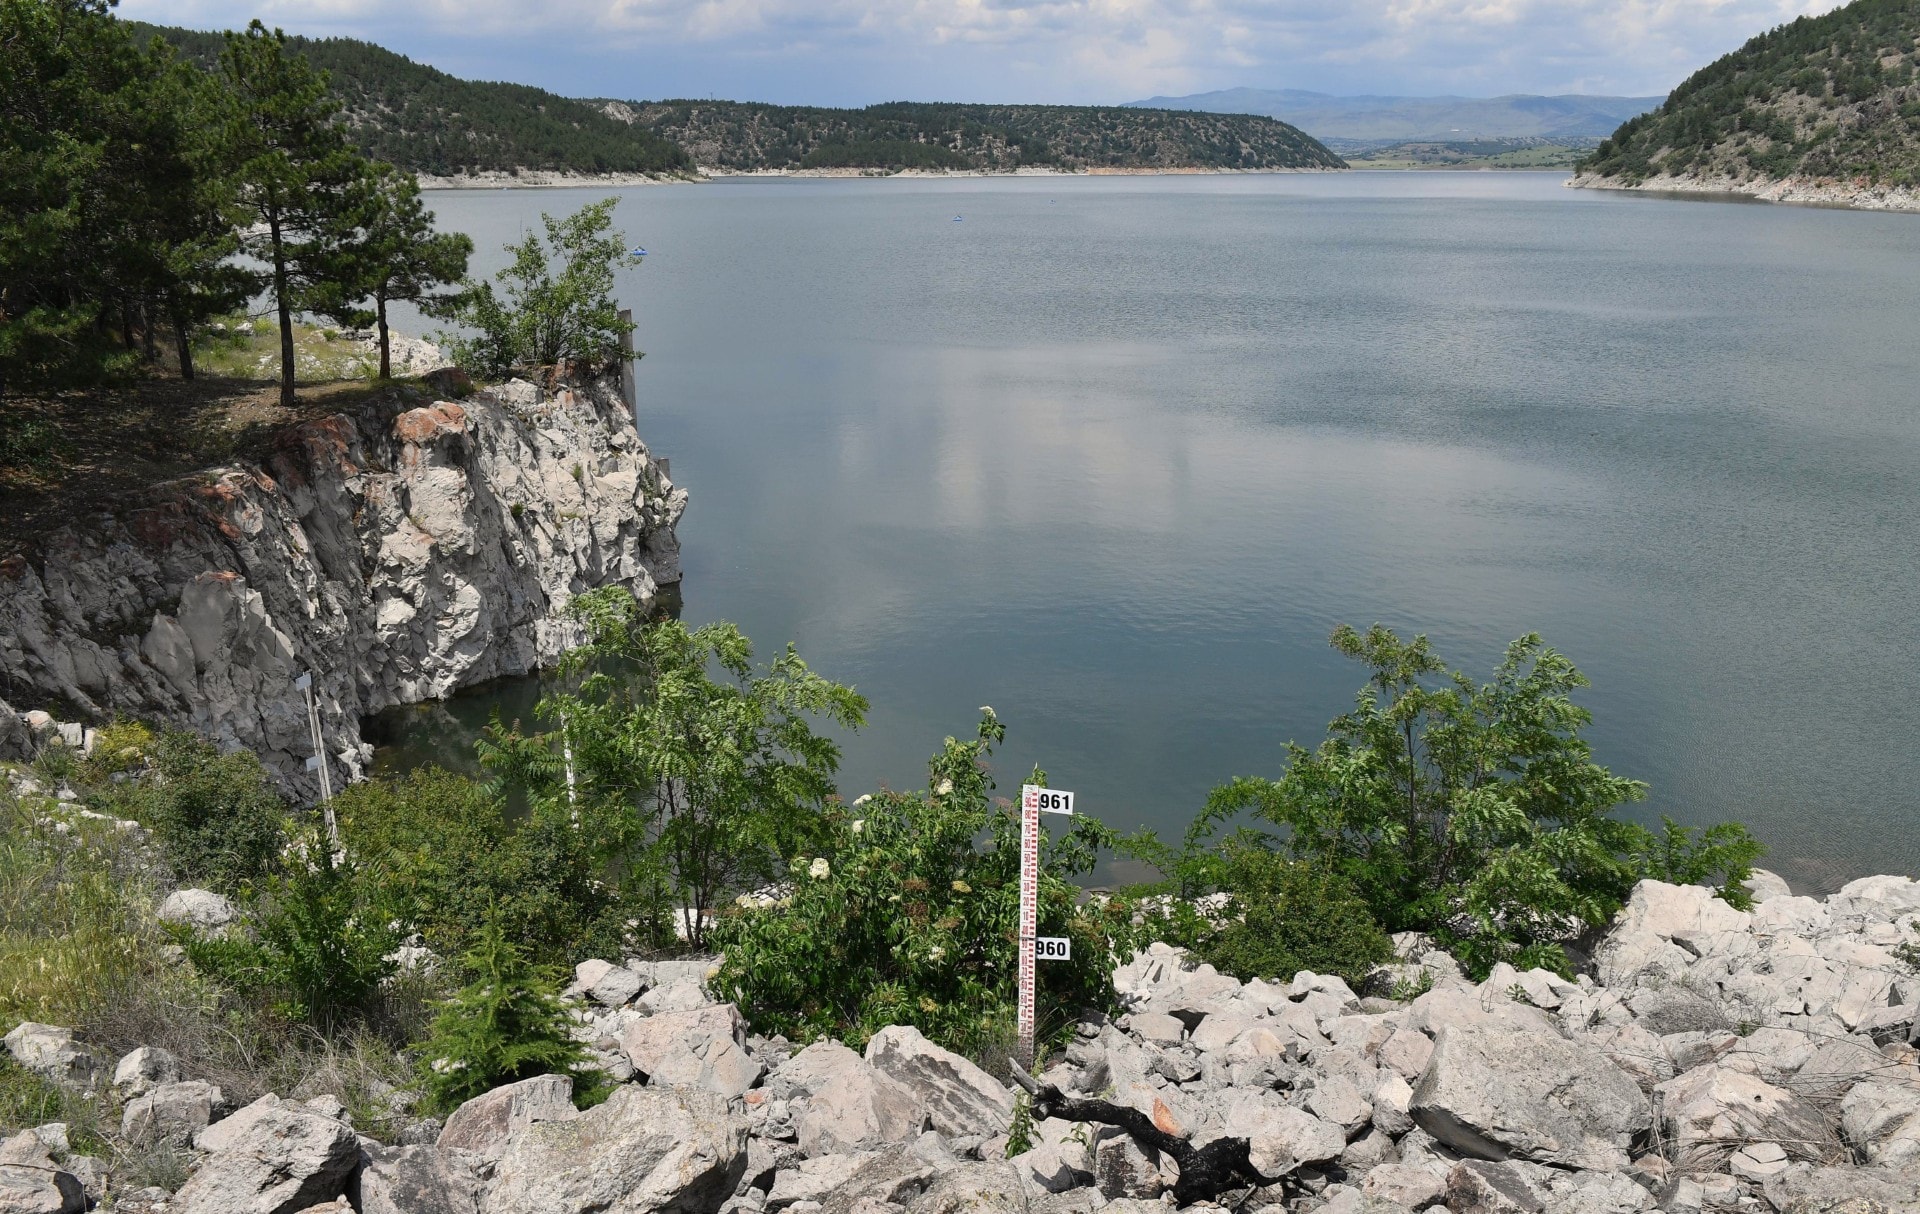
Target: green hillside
x,y
1830,97
423,119
420,118
744,137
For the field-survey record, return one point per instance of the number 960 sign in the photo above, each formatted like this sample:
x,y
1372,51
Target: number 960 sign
x,y
1052,948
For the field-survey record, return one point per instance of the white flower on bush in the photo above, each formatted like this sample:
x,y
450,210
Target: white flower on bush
x,y
819,870
936,952
862,799
859,824
945,787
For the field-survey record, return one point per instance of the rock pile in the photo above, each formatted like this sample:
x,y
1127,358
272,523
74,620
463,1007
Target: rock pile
x,y
1715,1060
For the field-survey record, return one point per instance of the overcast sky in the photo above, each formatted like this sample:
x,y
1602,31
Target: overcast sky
x,y
854,52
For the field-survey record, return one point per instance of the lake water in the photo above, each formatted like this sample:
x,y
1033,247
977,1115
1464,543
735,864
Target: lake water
x,y
1115,454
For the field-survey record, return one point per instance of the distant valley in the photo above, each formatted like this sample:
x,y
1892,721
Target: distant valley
x,y
1514,131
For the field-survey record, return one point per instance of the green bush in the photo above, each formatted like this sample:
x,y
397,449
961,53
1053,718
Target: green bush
x,y
320,947
451,859
505,1025
695,770
1284,916
216,816
901,917
1725,850
1471,811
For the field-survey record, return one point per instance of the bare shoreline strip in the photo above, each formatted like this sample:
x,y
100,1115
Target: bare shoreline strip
x,y
541,179
1854,195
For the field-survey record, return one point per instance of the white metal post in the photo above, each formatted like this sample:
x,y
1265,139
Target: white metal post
x,y
318,763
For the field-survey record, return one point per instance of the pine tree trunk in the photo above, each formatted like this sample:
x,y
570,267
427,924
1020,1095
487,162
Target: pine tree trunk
x,y
386,362
286,311
183,344
148,341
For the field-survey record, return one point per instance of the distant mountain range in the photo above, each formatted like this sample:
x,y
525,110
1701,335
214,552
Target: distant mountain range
x,y
1393,119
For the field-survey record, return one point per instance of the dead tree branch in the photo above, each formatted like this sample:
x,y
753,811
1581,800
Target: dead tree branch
x,y
1205,1172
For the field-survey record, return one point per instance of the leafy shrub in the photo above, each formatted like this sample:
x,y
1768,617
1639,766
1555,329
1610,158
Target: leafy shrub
x,y
555,303
450,860
1725,850
1475,812
698,771
320,948
1288,915
901,917
217,816
504,1026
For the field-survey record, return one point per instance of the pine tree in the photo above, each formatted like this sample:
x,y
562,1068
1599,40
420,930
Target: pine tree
x,y
387,250
504,1026
295,170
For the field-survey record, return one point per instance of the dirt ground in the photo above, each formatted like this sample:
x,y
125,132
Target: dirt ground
x,y
90,448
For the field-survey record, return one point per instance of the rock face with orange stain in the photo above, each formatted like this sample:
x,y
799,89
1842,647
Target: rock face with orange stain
x,y
399,552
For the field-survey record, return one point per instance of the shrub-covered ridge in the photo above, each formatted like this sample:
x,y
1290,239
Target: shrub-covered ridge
x,y
1829,100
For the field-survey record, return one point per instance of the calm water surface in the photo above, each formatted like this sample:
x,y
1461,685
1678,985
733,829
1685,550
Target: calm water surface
x,y
1114,455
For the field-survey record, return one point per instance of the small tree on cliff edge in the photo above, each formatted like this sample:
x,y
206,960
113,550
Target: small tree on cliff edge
x,y
295,171
388,251
555,303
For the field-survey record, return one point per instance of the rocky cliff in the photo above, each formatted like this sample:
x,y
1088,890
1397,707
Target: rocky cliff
x,y
399,551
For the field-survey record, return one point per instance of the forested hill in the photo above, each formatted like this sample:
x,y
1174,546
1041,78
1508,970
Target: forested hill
x,y
421,118
746,137
1832,97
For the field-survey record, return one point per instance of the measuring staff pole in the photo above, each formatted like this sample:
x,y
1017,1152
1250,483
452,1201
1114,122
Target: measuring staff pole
x,y
1034,800
1029,913
318,763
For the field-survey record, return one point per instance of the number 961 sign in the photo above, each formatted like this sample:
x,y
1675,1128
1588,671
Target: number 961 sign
x,y
1046,800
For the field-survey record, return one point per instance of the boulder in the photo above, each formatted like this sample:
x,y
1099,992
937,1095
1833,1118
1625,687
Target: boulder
x,y
675,997
16,739
844,1104
1124,1168
172,1110
414,1180
1709,1111
615,988
1766,885
483,1124
1494,1094
1415,1184
200,909
671,1150
1844,1190
144,1069
1674,911
1156,1028
1279,1137
703,1047
989,1187
271,1157
958,1096
1883,1120
50,1051
815,1178
31,1183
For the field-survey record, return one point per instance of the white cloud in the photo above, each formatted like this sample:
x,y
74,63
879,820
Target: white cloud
x,y
1051,50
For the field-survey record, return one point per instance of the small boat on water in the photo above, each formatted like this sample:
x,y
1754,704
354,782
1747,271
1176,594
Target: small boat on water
x,y
636,252
956,219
